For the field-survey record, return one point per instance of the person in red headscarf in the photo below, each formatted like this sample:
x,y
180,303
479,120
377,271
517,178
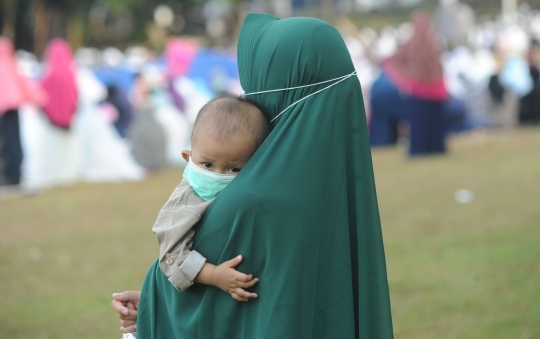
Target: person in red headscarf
x,y
416,68
15,90
415,71
60,83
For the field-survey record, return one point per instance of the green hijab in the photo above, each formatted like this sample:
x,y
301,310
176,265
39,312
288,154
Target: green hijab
x,y
303,212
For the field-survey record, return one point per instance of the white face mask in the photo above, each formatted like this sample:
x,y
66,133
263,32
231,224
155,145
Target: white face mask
x,y
338,80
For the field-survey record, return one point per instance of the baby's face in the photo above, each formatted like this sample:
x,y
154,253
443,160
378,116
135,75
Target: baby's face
x,y
218,156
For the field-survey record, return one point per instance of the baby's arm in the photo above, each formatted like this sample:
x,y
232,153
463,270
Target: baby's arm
x,y
227,278
174,231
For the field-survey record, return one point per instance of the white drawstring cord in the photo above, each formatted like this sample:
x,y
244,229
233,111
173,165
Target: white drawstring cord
x,y
340,79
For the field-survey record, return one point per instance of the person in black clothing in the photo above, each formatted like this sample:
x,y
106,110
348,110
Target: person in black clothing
x,y
529,105
120,101
11,154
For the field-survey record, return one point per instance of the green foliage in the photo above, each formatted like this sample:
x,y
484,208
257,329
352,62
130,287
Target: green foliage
x,y
120,5
123,5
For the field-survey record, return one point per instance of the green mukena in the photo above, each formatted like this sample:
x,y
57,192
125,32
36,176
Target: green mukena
x,y
303,212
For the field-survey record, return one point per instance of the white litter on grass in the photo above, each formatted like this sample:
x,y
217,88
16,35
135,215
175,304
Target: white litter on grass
x,y
63,259
35,253
464,196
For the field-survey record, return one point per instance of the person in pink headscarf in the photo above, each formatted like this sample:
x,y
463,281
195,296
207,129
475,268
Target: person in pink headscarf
x,y
179,55
411,88
59,83
416,68
15,90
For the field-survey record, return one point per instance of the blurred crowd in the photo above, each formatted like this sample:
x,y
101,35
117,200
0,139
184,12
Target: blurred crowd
x,y
446,73
102,116
110,115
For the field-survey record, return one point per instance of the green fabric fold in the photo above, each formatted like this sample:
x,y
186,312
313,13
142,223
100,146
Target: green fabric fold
x,y
303,212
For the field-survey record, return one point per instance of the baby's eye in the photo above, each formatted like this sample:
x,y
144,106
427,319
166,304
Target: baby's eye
x,y
234,169
207,165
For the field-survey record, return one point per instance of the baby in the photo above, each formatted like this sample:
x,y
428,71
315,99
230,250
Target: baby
x,y
227,132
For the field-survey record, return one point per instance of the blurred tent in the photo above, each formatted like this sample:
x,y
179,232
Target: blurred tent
x,y
215,68
119,77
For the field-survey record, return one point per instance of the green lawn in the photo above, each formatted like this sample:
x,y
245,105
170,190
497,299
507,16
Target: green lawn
x,y
455,270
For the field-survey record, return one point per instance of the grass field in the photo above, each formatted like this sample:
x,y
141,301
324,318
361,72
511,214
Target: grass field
x,y
455,270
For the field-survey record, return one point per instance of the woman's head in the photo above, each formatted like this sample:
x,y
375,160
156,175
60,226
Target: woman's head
x,y
416,67
60,83
288,57
179,55
59,54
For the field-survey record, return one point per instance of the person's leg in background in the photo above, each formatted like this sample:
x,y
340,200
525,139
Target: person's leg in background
x,y
10,147
427,126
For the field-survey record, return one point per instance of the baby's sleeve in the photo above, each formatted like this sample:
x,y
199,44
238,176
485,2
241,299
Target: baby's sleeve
x,y
174,232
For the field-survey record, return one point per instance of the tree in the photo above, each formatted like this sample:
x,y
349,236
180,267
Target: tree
x,y
32,23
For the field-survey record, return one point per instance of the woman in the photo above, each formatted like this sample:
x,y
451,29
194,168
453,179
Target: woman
x,y
52,155
50,140
303,211
15,90
416,71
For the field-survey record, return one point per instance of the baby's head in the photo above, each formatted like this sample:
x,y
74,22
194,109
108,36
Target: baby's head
x,y
227,132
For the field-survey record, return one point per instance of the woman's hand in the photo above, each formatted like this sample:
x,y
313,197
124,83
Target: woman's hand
x,y
126,305
227,278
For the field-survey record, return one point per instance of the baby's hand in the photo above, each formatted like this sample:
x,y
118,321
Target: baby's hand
x,y
233,282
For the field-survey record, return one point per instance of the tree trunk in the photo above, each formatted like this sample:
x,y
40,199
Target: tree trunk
x,y
24,26
41,30
327,9
8,29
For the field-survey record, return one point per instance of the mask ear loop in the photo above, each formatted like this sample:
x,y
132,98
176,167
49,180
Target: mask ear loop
x,y
307,96
297,87
343,78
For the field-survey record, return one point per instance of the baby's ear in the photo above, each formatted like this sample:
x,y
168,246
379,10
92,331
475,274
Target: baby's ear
x,y
186,154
